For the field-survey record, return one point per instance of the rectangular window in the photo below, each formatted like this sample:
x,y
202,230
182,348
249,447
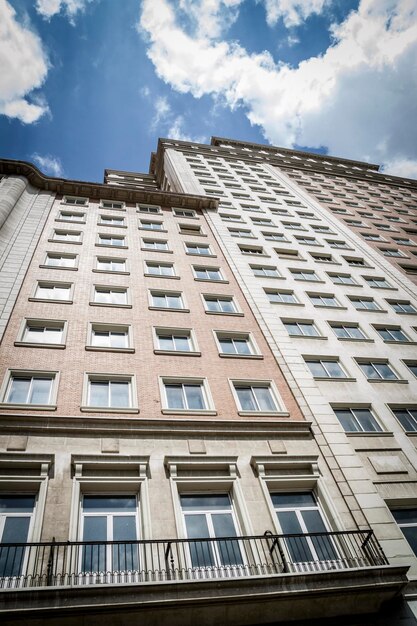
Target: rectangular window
x,y
254,250
111,296
149,225
301,328
235,344
185,395
167,300
325,368
269,236
111,240
67,236
240,232
375,370
392,334
394,252
200,249
16,520
347,331
159,269
34,388
219,304
282,296
111,264
111,220
112,204
190,229
357,420
327,300
266,271
53,291
108,336
342,279
407,416
175,340
305,275
402,306
44,332
71,216
321,257
377,282
55,259
407,522
367,304
158,245
148,208
255,396
184,213
109,392
207,273
75,201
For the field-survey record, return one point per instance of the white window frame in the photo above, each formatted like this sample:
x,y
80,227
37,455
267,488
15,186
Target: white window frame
x,y
376,361
280,411
111,236
107,377
144,222
179,212
104,326
150,263
62,217
53,254
144,209
102,220
206,246
81,201
115,288
48,283
146,240
299,323
167,293
160,331
221,296
255,353
76,242
41,323
199,268
321,360
13,372
346,326
355,407
184,380
109,259
122,206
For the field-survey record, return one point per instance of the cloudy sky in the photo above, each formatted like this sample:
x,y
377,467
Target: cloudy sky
x,y
90,84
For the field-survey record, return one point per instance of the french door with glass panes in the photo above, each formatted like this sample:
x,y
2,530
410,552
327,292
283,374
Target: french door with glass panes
x,y
106,518
211,516
16,521
299,513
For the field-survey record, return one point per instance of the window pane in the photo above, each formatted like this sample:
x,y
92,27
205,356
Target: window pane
x,y
175,397
242,346
334,369
316,368
410,533
99,393
367,420
15,531
113,504
194,395
166,342
17,504
201,552
119,396
118,339
94,556
385,371
347,421
264,398
100,338
229,551
246,399
182,344
19,390
290,500
196,503
41,388
125,556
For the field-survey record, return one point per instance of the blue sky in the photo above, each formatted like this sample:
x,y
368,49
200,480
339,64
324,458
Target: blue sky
x,y
90,84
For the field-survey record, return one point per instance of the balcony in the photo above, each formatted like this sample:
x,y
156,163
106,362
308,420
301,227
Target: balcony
x,y
175,574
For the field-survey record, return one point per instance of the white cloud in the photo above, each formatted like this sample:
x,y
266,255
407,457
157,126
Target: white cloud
x,y
162,111
359,98
49,8
176,131
49,164
24,66
292,12
210,18
401,167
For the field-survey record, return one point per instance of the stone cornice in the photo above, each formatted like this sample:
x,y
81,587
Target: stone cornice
x,y
123,426
98,191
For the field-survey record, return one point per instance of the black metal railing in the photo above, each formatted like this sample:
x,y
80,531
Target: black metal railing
x,y
79,563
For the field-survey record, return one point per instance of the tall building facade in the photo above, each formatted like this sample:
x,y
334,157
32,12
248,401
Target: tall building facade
x,y
208,402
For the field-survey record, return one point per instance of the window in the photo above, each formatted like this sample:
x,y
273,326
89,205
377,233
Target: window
x,y
148,208
262,221
111,264
370,237
342,279
43,332
305,275
404,242
111,296
377,370
159,269
112,204
254,250
407,522
75,201
67,216
28,387
66,236
367,304
355,262
106,336
377,282
333,243
307,241
175,340
407,416
185,394
111,220
325,368
392,334
327,300
267,271
55,259
357,420
299,514
106,518
190,229
347,331
219,304
158,245
282,296
235,344
167,300
274,236
148,225
111,240
53,291
211,516
184,213
231,218
109,392
394,252
321,257
200,249
293,225
240,232
303,328
16,520
255,397
208,273
402,306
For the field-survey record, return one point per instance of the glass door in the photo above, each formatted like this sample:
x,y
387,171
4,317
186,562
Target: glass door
x,y
16,515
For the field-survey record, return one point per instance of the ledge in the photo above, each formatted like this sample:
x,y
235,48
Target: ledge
x,y
108,245
118,306
177,352
57,267
264,413
211,280
382,380
28,344
161,276
341,379
105,349
224,355
166,308
153,230
29,407
51,300
236,314
151,250
187,412
74,243
110,272
103,409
